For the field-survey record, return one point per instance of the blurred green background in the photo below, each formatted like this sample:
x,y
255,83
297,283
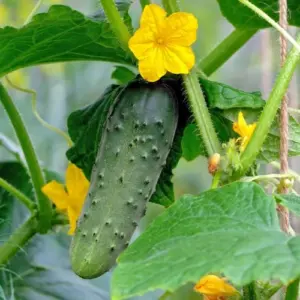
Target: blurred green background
x,y
63,88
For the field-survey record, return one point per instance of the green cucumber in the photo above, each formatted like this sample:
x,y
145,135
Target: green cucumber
x,y
134,146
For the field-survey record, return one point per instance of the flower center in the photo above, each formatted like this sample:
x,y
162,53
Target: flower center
x,y
160,41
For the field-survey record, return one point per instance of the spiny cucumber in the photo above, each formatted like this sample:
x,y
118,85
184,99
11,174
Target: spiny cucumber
x,y
133,149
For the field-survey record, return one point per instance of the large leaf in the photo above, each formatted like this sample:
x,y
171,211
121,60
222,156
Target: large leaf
x,y
60,35
242,17
233,230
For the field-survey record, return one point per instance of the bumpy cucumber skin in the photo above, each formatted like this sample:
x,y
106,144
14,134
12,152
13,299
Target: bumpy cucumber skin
x,y
132,153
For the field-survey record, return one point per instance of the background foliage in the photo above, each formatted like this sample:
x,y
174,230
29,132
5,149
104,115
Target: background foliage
x,y
41,270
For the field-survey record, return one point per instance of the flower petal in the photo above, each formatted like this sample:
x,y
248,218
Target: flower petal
x,y
152,68
181,29
73,215
77,185
178,59
153,17
214,286
141,43
243,127
57,194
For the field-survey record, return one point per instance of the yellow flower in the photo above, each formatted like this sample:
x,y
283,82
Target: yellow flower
x,y
71,199
163,43
244,130
214,288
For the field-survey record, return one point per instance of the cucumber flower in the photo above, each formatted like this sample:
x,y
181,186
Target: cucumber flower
x,y
70,199
163,44
244,130
214,288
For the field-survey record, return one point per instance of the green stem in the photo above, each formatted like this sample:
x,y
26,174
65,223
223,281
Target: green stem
x,y
36,174
230,45
116,23
269,112
144,3
249,292
18,194
292,290
18,239
216,180
170,6
201,113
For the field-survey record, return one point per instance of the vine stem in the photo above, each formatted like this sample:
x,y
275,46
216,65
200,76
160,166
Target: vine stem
x,y
268,19
36,174
269,112
18,239
116,23
18,194
201,113
197,101
225,50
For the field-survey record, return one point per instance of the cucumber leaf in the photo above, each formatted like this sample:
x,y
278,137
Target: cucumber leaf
x,y
60,35
233,230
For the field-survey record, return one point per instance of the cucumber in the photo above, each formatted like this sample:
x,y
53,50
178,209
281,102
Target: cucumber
x,y
134,146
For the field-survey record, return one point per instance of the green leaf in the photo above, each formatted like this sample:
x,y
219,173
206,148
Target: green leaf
x,y
60,35
85,128
233,230
222,96
291,201
242,17
122,75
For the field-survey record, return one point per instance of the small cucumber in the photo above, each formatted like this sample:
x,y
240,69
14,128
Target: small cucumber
x,y
133,149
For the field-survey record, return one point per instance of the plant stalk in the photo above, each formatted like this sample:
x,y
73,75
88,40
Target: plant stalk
x,y
116,23
249,292
18,194
201,113
231,44
269,112
18,239
170,6
36,174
